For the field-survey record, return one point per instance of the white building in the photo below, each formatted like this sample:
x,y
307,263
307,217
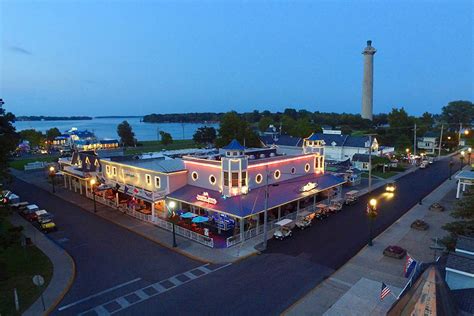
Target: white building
x,y
428,143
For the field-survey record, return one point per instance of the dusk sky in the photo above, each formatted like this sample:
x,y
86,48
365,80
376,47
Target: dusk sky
x,y
135,58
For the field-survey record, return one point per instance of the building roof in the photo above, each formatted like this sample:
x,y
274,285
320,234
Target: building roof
x,y
464,299
253,202
341,140
282,140
465,243
234,145
465,174
460,262
360,157
156,164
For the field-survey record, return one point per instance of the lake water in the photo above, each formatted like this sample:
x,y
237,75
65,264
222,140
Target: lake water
x,y
107,127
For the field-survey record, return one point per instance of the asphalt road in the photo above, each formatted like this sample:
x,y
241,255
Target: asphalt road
x,y
267,284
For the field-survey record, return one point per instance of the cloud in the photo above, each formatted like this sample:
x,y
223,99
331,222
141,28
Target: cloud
x,y
20,50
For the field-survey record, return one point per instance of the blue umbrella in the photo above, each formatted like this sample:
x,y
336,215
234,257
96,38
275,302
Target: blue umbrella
x,y
188,215
200,219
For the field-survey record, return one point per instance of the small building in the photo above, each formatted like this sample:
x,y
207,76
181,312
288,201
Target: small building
x,y
361,162
460,265
429,142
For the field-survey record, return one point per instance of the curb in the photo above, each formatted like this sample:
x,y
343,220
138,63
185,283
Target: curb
x,y
66,289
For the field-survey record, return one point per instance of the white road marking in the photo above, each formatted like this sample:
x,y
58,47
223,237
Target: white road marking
x,y
98,294
160,289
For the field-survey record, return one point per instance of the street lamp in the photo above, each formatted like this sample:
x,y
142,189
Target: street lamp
x,y
371,215
469,150
52,174
92,182
172,205
462,158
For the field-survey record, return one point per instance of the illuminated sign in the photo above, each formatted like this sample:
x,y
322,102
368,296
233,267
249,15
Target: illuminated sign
x,y
204,197
308,187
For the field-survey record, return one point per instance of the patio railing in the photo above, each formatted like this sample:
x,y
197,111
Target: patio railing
x,y
205,240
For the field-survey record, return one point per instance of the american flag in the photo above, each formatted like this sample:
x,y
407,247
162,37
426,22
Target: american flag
x,y
384,291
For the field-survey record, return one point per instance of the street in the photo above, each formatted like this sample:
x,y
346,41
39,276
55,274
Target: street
x,y
113,264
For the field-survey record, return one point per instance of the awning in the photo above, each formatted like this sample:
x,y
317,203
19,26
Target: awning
x,y
254,202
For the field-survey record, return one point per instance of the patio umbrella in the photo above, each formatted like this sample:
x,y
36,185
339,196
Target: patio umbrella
x,y
188,215
200,219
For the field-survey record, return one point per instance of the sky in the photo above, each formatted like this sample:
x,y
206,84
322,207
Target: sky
x,y
140,57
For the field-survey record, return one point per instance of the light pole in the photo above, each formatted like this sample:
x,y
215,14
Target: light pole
x,y
371,215
92,182
451,163
171,205
469,150
462,158
52,174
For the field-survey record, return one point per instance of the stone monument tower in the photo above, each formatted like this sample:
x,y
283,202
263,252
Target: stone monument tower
x,y
368,83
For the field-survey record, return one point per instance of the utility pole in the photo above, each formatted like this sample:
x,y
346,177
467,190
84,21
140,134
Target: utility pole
x,y
459,140
265,214
370,162
440,141
414,141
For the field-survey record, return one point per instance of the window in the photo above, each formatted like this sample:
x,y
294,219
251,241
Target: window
x,y
235,153
277,174
235,179
107,169
194,175
244,178
114,171
148,179
226,178
212,179
306,167
293,170
258,178
157,182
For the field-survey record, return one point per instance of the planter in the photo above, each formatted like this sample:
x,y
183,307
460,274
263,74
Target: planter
x,y
436,207
395,252
419,225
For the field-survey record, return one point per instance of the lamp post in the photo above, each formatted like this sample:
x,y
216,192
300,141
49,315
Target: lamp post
x,y
462,158
469,150
92,182
52,174
171,205
451,163
371,215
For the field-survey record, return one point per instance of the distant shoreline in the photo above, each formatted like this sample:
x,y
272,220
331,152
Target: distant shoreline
x,y
52,118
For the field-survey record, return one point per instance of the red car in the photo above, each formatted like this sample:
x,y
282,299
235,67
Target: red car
x,y
29,213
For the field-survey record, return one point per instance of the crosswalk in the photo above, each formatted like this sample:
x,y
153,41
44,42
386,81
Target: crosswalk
x,y
138,296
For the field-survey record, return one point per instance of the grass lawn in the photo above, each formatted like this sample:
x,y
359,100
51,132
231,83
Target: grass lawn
x,y
154,145
380,174
21,264
20,163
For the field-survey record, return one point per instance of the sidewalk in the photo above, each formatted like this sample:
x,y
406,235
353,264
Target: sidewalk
x,y
354,288
154,233
63,268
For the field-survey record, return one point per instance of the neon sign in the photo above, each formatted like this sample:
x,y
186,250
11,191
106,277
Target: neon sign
x,y
308,187
204,197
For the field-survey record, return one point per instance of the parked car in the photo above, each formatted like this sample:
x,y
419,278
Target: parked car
x,y
395,252
284,229
423,164
29,213
46,223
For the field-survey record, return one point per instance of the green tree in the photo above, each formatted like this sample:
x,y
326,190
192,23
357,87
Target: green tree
x,y
232,126
126,134
52,133
34,137
287,124
8,140
302,128
464,226
166,138
264,123
458,112
205,135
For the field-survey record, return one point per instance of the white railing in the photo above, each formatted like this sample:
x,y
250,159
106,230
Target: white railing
x,y
205,240
34,165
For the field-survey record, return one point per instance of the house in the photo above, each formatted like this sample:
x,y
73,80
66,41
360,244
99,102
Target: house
x,y
361,162
460,265
337,146
429,142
